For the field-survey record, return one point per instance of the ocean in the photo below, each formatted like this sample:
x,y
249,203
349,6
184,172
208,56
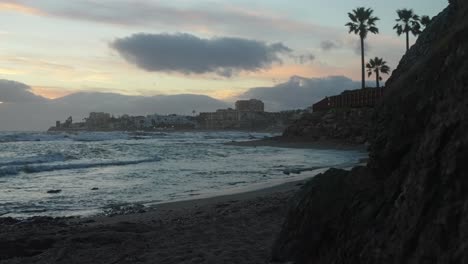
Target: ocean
x,y
94,171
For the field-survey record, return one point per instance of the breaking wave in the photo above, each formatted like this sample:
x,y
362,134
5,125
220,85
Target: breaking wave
x,y
52,157
16,169
8,137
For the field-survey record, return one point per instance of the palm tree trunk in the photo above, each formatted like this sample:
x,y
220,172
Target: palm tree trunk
x,y
362,61
377,77
407,41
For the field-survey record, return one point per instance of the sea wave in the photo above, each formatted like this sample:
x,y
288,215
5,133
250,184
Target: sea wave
x,y
16,169
47,158
26,137
86,136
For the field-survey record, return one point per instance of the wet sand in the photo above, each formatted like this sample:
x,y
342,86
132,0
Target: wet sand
x,y
281,142
237,228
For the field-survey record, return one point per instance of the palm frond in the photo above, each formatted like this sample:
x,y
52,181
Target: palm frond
x,y
385,69
374,30
352,17
362,22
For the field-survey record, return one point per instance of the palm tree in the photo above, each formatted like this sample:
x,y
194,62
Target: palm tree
x,y
425,21
362,22
408,22
377,65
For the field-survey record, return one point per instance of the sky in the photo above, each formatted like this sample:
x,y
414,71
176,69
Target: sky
x,y
219,48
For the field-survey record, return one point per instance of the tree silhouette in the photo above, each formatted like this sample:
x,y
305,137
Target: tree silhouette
x,y
425,21
362,22
377,66
408,22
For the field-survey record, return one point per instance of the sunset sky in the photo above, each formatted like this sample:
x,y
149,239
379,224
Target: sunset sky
x,y
217,48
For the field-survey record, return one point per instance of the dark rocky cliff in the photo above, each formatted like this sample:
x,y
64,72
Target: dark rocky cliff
x,y
345,125
410,204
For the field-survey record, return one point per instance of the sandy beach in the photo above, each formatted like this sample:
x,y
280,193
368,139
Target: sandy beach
x,y
236,228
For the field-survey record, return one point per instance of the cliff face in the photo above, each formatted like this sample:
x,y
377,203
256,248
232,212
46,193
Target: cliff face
x,y
346,125
410,204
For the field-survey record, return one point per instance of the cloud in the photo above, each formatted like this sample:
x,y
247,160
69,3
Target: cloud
x,y
328,45
189,54
16,7
300,92
15,92
196,17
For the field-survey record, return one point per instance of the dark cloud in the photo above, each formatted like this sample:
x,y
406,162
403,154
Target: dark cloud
x,y
299,92
11,92
327,45
190,54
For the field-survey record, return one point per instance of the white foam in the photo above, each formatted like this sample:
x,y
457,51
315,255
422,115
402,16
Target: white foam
x,y
13,170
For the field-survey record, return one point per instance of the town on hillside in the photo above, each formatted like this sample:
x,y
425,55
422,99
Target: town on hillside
x,y
247,115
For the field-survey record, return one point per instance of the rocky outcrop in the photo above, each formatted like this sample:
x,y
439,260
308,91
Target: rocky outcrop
x,y
349,125
410,204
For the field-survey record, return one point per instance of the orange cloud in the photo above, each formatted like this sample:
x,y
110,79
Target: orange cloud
x,y
223,94
20,8
50,92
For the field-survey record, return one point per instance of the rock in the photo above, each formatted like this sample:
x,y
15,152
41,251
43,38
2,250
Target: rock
x,y
345,125
54,191
94,189
410,204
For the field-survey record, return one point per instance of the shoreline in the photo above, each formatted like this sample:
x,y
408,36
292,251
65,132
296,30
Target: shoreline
x,y
239,228
252,190
235,226
281,142
300,175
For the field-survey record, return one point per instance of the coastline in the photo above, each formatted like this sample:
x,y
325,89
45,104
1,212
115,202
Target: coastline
x,y
237,227
282,142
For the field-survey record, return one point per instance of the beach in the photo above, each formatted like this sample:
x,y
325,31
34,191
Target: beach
x,y
236,222
236,228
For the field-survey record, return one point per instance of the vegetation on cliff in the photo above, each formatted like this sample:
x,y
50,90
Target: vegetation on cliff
x,y
362,23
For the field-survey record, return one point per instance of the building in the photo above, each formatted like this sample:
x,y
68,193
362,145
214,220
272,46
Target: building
x,y
169,121
248,115
98,120
221,119
368,97
252,105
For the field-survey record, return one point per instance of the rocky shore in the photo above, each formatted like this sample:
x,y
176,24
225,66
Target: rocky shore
x,y
349,126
